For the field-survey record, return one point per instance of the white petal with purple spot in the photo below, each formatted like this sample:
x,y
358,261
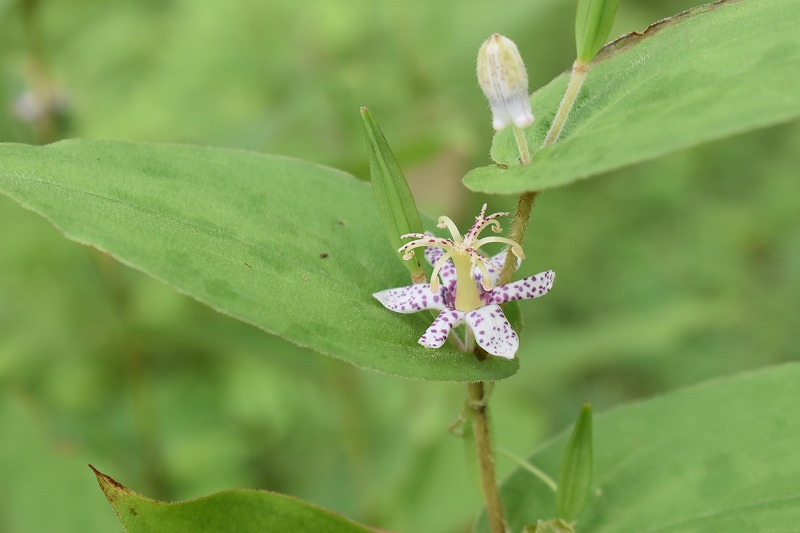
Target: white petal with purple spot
x,y
492,331
437,333
412,298
524,289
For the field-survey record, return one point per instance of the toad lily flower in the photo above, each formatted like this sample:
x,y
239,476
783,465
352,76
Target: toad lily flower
x,y
468,292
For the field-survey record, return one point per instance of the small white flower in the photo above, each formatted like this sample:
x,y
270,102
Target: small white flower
x,y
502,76
468,292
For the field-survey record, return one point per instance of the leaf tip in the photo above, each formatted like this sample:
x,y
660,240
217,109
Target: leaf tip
x,y
112,488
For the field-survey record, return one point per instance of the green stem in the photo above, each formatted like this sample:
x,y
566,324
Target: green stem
x,y
476,403
519,226
544,478
579,70
477,391
527,200
522,145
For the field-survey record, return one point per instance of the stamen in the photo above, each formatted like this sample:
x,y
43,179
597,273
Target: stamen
x,y
498,214
516,249
482,221
494,224
445,244
486,281
456,249
446,222
437,267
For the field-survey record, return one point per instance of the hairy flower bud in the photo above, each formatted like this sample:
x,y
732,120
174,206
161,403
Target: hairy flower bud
x,y
502,76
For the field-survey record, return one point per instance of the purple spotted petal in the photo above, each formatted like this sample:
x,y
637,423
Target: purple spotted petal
x,y
436,335
494,271
524,289
448,272
412,298
492,331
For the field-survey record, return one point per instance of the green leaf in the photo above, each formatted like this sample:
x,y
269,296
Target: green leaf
x,y
239,511
593,21
721,456
576,468
294,248
710,72
392,195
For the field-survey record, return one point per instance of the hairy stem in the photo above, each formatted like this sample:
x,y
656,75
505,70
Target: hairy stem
x,y
476,403
477,396
527,200
519,226
579,70
522,146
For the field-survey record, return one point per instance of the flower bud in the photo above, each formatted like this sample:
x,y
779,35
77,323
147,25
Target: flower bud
x,y
502,76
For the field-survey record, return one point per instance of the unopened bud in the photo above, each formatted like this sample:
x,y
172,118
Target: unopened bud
x,y
502,76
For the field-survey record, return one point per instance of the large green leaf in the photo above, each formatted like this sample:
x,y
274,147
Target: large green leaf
x,y
721,456
708,73
233,511
294,248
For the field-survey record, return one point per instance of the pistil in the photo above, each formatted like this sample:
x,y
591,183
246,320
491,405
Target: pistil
x,y
467,296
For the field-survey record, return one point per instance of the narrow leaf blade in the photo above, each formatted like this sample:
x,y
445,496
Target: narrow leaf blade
x,y
593,21
576,468
395,203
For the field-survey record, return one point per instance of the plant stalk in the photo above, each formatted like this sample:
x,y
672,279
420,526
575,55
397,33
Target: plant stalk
x,y
476,404
522,145
527,200
477,396
576,79
519,226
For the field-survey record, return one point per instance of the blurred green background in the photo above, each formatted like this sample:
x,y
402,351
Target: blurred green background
x,y
669,273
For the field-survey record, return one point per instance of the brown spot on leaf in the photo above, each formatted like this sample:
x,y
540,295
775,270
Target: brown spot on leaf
x,y
628,40
323,255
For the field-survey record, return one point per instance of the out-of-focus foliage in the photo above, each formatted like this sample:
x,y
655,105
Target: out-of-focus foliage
x,y
694,470
669,273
